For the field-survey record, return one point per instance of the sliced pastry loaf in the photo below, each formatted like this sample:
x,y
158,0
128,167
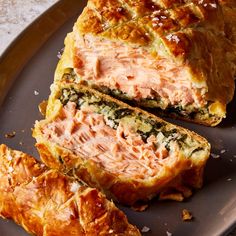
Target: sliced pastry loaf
x,y
177,56
48,203
126,152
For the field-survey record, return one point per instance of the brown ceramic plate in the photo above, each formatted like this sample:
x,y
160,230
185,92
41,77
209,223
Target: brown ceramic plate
x,y
26,72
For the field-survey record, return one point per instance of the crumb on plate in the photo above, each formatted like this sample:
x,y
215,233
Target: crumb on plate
x,y
139,207
10,135
186,215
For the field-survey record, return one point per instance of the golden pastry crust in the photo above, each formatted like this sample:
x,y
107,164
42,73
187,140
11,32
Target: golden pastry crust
x,y
188,172
198,34
46,202
121,190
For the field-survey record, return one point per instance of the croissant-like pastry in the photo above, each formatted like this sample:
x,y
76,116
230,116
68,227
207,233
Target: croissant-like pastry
x,y
174,56
124,151
48,203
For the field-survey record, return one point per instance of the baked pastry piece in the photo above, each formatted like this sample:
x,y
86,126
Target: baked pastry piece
x,y
177,56
128,153
48,203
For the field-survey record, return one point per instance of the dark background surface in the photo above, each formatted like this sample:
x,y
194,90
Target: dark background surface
x,y
213,207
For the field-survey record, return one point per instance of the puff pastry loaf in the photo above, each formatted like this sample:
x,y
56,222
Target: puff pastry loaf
x,y
46,202
171,55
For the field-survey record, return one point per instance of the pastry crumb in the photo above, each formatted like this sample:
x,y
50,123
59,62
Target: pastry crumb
x,y
43,107
171,196
10,135
139,207
145,229
186,215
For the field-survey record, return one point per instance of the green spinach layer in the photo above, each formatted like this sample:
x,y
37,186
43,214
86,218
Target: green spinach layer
x,y
142,124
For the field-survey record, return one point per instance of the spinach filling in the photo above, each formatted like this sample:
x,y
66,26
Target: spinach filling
x,y
157,104
144,125
111,110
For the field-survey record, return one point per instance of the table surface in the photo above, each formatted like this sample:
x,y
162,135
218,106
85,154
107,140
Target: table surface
x,y
16,15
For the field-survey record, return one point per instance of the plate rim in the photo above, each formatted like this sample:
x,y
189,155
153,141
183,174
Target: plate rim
x,y
59,8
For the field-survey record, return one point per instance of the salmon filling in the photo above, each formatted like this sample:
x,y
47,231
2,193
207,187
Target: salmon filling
x,y
119,151
135,72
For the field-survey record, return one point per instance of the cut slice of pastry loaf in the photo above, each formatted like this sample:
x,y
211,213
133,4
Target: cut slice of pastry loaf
x,y
126,152
47,203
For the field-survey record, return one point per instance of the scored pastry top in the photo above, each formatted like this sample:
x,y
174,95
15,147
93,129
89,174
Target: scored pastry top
x,y
142,22
198,33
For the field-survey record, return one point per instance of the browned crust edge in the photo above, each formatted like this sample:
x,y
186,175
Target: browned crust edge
x,y
126,192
